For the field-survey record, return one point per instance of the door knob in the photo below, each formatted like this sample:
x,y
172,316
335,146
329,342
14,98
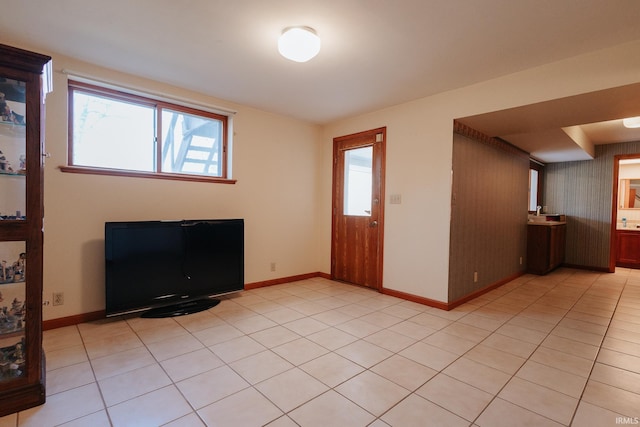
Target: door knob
x,y
373,224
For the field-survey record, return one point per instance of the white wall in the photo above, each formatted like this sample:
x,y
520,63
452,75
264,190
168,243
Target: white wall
x,y
419,147
276,164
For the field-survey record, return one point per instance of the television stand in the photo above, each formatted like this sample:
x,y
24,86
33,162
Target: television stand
x,y
181,309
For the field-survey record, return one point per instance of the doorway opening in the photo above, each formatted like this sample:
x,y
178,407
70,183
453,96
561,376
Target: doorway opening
x,y
625,212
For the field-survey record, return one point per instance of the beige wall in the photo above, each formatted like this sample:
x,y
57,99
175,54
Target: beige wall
x,y
283,167
418,167
276,165
419,156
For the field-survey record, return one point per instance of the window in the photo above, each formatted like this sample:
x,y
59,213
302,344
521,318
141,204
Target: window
x,y
358,178
112,132
533,189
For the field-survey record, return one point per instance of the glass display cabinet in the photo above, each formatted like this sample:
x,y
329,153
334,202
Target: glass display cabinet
x,y
22,367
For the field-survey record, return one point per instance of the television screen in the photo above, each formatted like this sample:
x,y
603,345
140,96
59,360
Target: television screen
x,y
173,267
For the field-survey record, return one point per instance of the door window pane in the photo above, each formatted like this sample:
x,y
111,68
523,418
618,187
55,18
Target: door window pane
x,y
358,181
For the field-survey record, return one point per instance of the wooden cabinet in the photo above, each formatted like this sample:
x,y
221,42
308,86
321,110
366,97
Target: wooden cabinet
x,y
628,248
545,247
21,236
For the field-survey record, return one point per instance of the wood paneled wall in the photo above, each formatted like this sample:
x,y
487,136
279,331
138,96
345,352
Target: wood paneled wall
x,y
488,213
583,191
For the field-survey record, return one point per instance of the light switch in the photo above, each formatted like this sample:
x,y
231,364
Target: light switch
x,y
395,199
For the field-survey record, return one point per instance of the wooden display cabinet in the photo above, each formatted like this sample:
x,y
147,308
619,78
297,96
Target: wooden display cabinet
x,y
22,379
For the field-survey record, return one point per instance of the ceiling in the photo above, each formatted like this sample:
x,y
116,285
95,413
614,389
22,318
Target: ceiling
x,y
565,129
375,53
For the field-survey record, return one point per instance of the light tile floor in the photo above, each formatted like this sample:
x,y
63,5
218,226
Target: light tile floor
x,y
561,349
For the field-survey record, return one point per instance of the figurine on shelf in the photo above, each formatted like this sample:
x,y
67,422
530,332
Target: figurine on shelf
x,y
5,110
19,267
14,272
5,166
7,114
16,118
16,307
6,272
12,319
19,352
4,163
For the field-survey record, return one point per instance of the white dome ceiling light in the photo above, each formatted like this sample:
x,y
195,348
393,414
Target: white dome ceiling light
x,y
631,122
299,44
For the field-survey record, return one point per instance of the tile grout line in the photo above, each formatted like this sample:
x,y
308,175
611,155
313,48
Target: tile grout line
x,y
379,309
495,396
595,360
441,371
536,348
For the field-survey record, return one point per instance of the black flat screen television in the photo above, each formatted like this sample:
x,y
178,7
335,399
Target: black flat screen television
x,y
170,268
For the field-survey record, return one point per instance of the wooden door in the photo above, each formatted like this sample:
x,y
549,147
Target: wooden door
x,y
358,208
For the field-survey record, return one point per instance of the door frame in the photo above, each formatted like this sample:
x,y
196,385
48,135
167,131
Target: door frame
x,y
613,241
382,168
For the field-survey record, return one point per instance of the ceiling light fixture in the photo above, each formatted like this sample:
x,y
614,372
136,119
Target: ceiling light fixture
x,y
631,122
299,44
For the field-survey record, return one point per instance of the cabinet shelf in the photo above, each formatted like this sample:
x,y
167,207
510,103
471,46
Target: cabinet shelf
x,y
12,129
15,333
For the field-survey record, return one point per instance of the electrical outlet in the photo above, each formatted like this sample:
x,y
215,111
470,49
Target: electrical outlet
x,y
58,298
520,260
45,302
273,266
475,277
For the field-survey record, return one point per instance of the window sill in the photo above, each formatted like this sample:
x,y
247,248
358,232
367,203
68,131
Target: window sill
x,y
153,175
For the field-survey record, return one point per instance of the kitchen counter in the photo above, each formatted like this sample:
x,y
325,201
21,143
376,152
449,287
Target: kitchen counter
x,y
629,227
